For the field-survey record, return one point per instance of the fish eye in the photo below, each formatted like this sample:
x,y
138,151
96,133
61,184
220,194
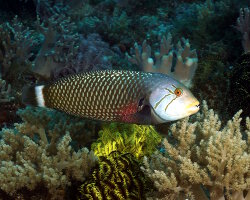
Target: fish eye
x,y
178,92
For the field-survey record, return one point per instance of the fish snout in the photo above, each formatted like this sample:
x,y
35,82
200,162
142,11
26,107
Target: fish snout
x,y
193,107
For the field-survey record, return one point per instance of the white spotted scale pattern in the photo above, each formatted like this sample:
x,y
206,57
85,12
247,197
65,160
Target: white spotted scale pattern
x,y
99,95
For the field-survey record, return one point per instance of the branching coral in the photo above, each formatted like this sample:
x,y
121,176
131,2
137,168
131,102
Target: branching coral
x,y
184,67
16,45
27,163
139,140
59,46
53,50
34,154
5,92
202,22
47,8
93,54
201,156
117,27
56,124
54,39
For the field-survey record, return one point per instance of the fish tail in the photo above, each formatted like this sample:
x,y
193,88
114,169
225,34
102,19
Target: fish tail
x,y
34,95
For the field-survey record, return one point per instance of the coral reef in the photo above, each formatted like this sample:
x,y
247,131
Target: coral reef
x,y
52,50
201,158
117,176
35,154
26,163
59,44
203,21
5,92
45,154
243,25
139,140
56,124
183,68
239,85
117,23
93,54
118,26
16,44
211,81
217,65
239,76
7,104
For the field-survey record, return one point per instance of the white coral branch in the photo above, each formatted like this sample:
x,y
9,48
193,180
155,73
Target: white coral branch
x,y
218,159
183,69
28,163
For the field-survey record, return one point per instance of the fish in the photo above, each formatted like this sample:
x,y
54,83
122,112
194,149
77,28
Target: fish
x,y
116,96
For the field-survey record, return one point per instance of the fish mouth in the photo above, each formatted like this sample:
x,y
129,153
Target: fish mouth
x,y
193,107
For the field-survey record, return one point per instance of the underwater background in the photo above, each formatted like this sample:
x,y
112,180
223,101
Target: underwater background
x,y
46,154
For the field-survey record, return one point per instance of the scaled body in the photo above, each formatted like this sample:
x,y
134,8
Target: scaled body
x,y
110,95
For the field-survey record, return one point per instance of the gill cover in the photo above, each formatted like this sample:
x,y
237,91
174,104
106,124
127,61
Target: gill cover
x,y
172,102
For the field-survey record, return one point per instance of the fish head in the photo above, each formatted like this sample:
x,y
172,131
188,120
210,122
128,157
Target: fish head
x,y
171,100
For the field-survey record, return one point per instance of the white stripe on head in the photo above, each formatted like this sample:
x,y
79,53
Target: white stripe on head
x,y
39,95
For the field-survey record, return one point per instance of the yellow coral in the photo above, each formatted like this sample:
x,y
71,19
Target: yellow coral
x,y
117,176
139,140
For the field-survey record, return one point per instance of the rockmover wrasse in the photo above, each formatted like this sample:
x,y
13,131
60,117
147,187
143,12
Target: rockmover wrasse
x,y
111,95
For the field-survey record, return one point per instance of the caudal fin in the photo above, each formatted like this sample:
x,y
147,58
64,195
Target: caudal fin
x,y
33,95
